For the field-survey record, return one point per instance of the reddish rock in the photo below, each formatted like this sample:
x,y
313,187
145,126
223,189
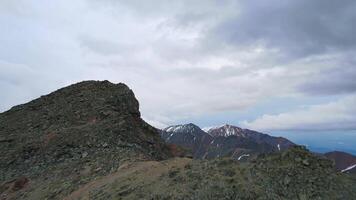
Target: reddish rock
x,y
19,183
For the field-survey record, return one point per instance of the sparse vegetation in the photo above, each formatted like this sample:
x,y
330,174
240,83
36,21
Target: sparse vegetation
x,y
276,176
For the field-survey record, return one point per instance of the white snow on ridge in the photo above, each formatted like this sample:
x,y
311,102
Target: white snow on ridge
x,y
169,129
175,128
349,168
279,147
225,130
206,129
243,155
170,135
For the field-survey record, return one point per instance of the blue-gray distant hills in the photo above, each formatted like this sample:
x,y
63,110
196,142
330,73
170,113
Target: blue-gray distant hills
x,y
222,141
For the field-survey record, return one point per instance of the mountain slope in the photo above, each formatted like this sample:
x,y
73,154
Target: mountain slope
x,y
343,161
189,136
55,143
279,143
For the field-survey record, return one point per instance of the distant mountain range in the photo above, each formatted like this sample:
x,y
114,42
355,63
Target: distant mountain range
x,y
222,141
240,144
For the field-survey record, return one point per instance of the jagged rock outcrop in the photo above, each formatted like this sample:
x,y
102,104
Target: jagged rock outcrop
x,y
71,136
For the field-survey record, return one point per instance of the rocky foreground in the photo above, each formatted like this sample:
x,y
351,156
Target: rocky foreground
x,y
293,174
87,141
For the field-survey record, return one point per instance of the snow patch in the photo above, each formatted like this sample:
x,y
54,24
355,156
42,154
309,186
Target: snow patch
x,y
225,130
169,129
206,129
243,155
349,168
170,135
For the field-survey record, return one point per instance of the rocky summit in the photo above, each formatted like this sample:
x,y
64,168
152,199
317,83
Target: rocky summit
x,y
57,142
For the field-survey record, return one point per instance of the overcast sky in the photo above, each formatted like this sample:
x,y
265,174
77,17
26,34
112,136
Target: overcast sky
x,y
265,65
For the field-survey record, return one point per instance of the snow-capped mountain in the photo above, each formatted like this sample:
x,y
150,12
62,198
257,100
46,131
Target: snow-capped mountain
x,y
225,131
279,143
226,140
240,144
189,136
184,128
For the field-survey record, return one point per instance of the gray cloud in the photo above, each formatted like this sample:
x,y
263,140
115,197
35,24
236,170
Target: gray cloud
x,y
102,46
336,115
296,28
338,80
182,58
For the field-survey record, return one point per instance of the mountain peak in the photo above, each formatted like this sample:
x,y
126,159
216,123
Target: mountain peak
x,y
86,96
225,130
189,136
190,127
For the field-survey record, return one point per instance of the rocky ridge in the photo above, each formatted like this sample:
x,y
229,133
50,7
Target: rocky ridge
x,y
71,136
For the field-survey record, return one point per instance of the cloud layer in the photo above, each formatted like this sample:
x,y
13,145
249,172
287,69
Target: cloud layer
x,y
184,59
338,115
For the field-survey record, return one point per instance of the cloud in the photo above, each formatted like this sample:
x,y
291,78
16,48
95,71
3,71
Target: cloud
x,y
332,81
183,59
294,28
337,115
21,83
